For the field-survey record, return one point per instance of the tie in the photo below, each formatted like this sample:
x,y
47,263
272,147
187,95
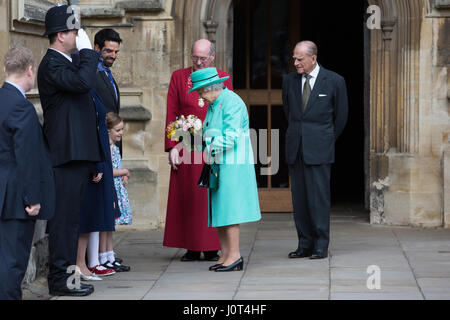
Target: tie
x,y
306,91
108,72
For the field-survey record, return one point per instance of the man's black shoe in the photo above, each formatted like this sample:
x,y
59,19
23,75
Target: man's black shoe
x,y
319,254
191,256
300,253
211,255
86,285
84,290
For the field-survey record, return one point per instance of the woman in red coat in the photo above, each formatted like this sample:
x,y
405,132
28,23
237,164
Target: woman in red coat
x,y
187,207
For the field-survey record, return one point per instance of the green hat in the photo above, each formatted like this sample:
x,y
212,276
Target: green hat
x,y
205,77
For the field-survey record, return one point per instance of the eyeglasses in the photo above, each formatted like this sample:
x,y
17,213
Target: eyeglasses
x,y
202,59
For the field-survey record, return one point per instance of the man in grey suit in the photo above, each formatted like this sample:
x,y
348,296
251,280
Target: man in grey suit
x,y
316,107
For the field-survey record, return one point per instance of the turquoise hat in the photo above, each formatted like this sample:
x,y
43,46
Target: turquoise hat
x,y
205,77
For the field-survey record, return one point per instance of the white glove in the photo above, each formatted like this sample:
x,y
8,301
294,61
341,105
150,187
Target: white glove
x,y
83,41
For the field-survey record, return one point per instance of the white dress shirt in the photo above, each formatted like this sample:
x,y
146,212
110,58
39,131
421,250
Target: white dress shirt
x,y
313,79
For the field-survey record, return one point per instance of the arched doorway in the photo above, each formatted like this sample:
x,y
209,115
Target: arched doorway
x,y
264,34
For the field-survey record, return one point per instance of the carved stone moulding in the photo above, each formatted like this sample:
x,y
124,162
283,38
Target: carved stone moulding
x,y
141,5
442,4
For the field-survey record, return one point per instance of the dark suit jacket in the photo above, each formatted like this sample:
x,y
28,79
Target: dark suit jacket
x,y
105,90
70,123
324,119
26,175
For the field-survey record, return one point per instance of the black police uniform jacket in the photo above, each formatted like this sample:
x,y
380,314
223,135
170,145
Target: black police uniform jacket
x,y
26,175
70,122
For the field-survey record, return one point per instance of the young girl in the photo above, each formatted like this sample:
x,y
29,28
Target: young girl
x,y
115,130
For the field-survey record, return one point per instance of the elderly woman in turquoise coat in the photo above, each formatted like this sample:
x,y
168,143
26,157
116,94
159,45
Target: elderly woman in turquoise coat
x,y
227,145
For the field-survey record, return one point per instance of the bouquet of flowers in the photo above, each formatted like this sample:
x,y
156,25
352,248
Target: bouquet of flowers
x,y
184,129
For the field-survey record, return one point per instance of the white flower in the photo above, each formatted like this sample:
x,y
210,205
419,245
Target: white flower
x,y
197,124
381,183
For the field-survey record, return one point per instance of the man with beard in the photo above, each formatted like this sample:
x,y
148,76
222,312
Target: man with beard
x,y
107,43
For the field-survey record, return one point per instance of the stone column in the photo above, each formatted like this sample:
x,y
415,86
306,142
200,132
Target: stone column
x,y
4,33
446,169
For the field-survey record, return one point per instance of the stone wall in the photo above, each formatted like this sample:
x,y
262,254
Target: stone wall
x,y
142,71
410,118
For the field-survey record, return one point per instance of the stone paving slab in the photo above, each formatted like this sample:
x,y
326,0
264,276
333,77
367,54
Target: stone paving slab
x,y
414,265
376,296
317,294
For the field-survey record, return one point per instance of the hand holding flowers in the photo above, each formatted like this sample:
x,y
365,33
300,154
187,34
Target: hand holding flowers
x,y
184,130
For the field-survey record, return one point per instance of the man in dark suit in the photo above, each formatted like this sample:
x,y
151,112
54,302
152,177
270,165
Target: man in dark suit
x,y
316,107
70,126
27,190
107,43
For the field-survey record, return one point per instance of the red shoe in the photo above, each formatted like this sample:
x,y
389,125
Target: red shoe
x,y
101,271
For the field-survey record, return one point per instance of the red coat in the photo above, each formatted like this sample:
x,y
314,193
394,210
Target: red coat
x,y
187,207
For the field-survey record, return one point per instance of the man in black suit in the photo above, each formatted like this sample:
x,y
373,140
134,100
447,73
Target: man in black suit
x,y
27,190
70,126
316,107
107,43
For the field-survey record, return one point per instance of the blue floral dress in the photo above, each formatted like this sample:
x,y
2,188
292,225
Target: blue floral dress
x,y
122,194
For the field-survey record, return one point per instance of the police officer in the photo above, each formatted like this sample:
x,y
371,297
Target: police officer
x,y
70,128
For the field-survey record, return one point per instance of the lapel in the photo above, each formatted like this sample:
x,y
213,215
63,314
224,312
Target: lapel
x,y
109,85
317,88
118,94
298,94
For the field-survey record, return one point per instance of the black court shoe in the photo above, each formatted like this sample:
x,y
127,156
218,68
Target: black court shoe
x,y
238,265
214,267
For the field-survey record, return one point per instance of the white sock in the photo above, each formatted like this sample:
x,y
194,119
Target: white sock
x,y
93,248
103,257
110,255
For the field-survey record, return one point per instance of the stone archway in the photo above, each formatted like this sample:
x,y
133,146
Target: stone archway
x,y
195,19
404,143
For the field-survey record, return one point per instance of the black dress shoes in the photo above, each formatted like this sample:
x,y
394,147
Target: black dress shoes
x,y
211,255
191,256
84,290
300,253
238,265
319,254
116,266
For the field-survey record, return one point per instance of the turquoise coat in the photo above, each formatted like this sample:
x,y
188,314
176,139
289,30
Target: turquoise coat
x,y
227,139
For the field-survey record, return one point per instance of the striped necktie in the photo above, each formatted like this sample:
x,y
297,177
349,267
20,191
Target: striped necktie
x,y
306,91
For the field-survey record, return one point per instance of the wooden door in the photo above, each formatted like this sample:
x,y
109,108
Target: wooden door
x,y
265,32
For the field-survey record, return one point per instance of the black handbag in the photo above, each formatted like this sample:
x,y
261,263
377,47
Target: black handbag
x,y
209,178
